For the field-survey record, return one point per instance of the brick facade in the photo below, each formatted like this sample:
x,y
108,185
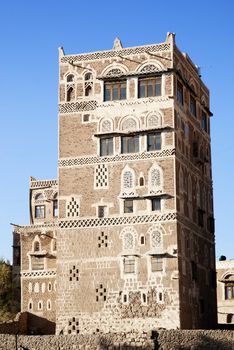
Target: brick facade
x,y
135,236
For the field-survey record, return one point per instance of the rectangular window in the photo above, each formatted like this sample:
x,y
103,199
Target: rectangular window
x,y
229,291
130,144
115,90
106,146
39,211
156,204
55,208
156,264
154,141
128,206
192,106
129,265
102,211
149,87
179,93
204,121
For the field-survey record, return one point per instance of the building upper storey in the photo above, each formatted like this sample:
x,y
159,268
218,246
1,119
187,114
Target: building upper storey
x,y
43,201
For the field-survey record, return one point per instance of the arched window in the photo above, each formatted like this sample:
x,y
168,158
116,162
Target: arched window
x,y
30,305
128,241
70,78
36,246
155,179
70,93
88,84
128,236
40,305
55,206
141,181
70,88
128,181
88,76
39,197
156,238
48,304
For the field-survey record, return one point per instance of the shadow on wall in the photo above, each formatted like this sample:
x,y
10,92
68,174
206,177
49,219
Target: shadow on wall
x,y
39,326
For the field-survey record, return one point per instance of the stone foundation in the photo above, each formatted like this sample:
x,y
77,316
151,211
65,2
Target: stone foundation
x,y
162,340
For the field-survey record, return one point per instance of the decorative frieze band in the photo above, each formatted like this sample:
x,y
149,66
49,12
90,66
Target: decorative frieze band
x,y
73,162
115,221
43,183
72,107
43,273
115,53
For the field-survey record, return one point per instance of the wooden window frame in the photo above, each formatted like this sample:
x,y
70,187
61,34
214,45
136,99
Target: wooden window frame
x,y
144,82
121,84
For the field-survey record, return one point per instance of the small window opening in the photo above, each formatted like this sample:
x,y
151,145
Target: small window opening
x,y
88,91
142,240
141,181
86,118
69,94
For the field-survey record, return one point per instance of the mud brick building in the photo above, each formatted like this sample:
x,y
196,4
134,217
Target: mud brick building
x,y
225,291
135,235
34,252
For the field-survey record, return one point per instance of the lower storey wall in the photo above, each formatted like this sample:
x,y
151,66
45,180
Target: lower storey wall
x,y
161,340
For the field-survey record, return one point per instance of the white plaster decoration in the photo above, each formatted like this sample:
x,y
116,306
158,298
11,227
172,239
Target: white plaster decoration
x,y
151,67
73,207
101,176
82,161
36,287
114,70
115,53
129,123
43,287
155,179
37,274
129,237
154,120
156,239
128,181
30,287
120,220
106,125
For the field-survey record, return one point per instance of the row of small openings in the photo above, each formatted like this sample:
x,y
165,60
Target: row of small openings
x,y
144,298
70,87
40,305
37,288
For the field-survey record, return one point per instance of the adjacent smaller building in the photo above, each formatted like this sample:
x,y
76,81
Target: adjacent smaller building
x,y
225,291
35,253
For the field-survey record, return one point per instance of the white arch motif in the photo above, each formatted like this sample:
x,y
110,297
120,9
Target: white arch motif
x,y
114,70
129,238
129,123
154,120
128,181
151,66
155,179
106,125
156,237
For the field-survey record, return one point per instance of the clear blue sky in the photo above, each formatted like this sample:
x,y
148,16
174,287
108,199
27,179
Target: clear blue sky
x,y
32,31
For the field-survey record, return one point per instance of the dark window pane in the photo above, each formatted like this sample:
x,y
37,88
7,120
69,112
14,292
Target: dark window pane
x,y
180,96
106,146
156,204
141,89
156,264
107,93
150,88
193,106
204,121
153,141
158,87
115,92
130,144
40,211
123,91
128,206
